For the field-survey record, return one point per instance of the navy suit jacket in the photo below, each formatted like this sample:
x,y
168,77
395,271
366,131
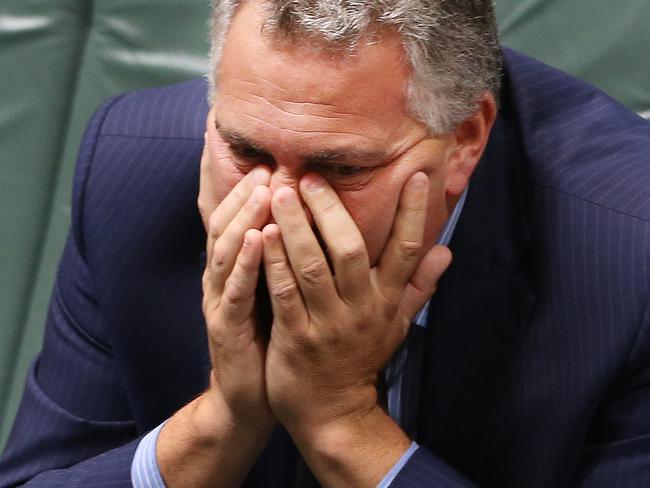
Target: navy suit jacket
x,y
537,364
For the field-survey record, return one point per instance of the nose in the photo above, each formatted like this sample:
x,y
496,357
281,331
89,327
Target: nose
x,y
281,177
284,177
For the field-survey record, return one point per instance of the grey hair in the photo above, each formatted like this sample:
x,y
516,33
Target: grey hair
x,y
451,45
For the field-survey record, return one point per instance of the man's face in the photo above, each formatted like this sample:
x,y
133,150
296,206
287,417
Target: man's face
x,y
296,110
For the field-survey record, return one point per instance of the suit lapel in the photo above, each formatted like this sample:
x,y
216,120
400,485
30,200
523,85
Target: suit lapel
x,y
480,312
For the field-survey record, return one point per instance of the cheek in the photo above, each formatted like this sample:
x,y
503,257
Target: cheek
x,y
373,210
224,173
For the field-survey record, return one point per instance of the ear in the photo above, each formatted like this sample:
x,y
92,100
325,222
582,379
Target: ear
x,y
470,139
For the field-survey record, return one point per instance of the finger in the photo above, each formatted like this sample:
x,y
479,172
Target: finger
x,y
237,197
216,216
345,245
286,300
424,282
253,215
232,204
305,255
402,252
206,200
238,296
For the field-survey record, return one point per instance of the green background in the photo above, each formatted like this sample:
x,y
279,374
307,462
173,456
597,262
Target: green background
x,y
60,58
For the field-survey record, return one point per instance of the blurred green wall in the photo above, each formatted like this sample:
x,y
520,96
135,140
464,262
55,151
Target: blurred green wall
x,y
60,58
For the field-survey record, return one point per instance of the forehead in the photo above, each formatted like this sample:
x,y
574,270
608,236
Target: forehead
x,y
293,85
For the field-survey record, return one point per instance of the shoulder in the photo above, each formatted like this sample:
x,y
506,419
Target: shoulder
x,y
133,122
174,111
578,141
137,176
140,234
585,197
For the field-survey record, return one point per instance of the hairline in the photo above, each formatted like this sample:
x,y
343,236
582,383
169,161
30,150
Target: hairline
x,y
418,74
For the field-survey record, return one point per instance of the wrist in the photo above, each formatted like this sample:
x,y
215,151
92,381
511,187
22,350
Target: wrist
x,y
215,419
324,408
203,445
353,450
371,427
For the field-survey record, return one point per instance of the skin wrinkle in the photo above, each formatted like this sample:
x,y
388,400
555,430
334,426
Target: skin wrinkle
x,y
306,131
255,77
392,154
333,116
388,158
255,85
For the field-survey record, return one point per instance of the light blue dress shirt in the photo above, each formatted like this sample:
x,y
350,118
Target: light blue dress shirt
x,y
145,472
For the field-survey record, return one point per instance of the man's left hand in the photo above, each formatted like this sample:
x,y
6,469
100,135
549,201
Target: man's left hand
x,y
333,331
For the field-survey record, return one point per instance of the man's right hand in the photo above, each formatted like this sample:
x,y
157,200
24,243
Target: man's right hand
x,y
233,258
214,440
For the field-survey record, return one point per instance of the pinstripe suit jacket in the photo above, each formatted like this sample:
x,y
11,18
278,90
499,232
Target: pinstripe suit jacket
x,y
537,367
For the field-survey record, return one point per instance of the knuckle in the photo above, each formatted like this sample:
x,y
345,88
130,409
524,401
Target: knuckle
x,y
203,208
235,293
214,225
240,193
284,292
295,227
218,257
247,267
352,252
276,261
206,281
329,207
416,207
217,342
209,306
410,250
314,271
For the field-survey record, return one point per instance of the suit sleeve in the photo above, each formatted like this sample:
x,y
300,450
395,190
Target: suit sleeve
x,y
617,450
73,427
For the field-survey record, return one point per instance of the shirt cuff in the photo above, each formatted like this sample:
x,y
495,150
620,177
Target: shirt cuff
x,y
145,472
397,467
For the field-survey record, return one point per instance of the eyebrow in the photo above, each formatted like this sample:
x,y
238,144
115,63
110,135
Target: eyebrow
x,y
341,155
235,138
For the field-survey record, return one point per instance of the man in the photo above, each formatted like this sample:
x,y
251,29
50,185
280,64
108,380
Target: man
x,y
338,149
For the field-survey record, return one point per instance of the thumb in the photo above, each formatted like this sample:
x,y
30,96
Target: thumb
x,y
424,281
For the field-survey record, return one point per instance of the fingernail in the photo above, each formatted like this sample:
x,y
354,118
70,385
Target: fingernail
x,y
315,183
259,175
287,197
270,233
420,182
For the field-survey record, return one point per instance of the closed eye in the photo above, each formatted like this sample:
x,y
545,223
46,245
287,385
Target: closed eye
x,y
339,170
345,177
348,170
249,153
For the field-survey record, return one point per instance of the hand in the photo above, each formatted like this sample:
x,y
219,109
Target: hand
x,y
234,250
333,333
214,440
